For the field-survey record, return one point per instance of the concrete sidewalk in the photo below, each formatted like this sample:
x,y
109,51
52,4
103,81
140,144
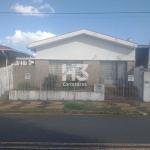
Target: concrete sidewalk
x,y
8,106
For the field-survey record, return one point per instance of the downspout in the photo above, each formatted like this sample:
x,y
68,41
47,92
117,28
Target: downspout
x,y
6,58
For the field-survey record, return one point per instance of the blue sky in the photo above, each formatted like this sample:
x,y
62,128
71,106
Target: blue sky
x,y
25,28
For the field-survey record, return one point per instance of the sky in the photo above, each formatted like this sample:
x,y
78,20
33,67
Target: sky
x,y
26,21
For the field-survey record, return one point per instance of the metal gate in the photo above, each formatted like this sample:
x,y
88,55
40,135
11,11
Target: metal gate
x,y
113,71
119,84
124,89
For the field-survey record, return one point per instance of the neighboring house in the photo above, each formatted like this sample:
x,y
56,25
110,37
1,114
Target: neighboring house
x,y
107,57
8,55
143,56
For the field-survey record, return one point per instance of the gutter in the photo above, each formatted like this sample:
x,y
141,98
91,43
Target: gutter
x,y
6,58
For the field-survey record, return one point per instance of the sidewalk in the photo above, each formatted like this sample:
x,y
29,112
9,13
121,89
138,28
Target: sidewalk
x,y
75,107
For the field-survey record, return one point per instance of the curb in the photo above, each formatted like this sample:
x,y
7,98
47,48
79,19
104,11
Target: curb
x,y
69,112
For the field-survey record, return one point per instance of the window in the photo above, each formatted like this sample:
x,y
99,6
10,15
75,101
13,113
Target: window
x,y
55,67
112,71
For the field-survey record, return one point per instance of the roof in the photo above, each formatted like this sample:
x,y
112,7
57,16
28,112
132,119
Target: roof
x,y
143,46
34,45
5,48
2,47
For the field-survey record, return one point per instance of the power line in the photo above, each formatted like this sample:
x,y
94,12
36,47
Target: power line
x,y
77,13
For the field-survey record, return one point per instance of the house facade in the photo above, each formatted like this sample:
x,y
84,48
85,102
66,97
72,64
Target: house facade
x,y
107,57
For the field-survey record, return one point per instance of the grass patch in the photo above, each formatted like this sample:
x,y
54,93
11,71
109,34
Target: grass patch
x,y
127,112
137,112
148,111
106,110
103,110
75,106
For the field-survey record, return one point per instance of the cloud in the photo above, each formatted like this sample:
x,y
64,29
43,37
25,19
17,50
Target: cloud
x,y
30,10
37,1
23,38
47,6
26,10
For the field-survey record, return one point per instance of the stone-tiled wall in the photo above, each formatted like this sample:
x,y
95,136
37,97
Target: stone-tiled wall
x,y
19,75
93,71
42,70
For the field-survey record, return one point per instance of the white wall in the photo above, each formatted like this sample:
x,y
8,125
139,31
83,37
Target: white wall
x,y
142,83
138,80
85,47
146,87
6,79
55,95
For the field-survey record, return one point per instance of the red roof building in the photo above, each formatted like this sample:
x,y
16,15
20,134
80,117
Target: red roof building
x,y
8,55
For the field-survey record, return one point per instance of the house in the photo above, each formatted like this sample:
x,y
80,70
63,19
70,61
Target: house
x,y
81,65
8,55
107,57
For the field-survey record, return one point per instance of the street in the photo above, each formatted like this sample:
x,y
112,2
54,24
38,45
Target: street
x,y
30,129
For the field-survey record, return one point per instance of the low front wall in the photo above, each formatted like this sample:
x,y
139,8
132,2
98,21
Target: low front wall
x,y
138,80
55,95
6,79
146,87
142,83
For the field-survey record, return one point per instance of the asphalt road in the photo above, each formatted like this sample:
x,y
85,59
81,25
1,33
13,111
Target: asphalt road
x,y
31,129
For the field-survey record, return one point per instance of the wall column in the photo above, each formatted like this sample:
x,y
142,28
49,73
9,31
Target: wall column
x,y
42,70
93,72
130,65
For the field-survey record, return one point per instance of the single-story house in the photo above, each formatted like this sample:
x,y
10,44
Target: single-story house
x,y
106,56
8,55
105,65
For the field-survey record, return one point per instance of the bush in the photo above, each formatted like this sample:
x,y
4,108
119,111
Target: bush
x,y
25,86
49,82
